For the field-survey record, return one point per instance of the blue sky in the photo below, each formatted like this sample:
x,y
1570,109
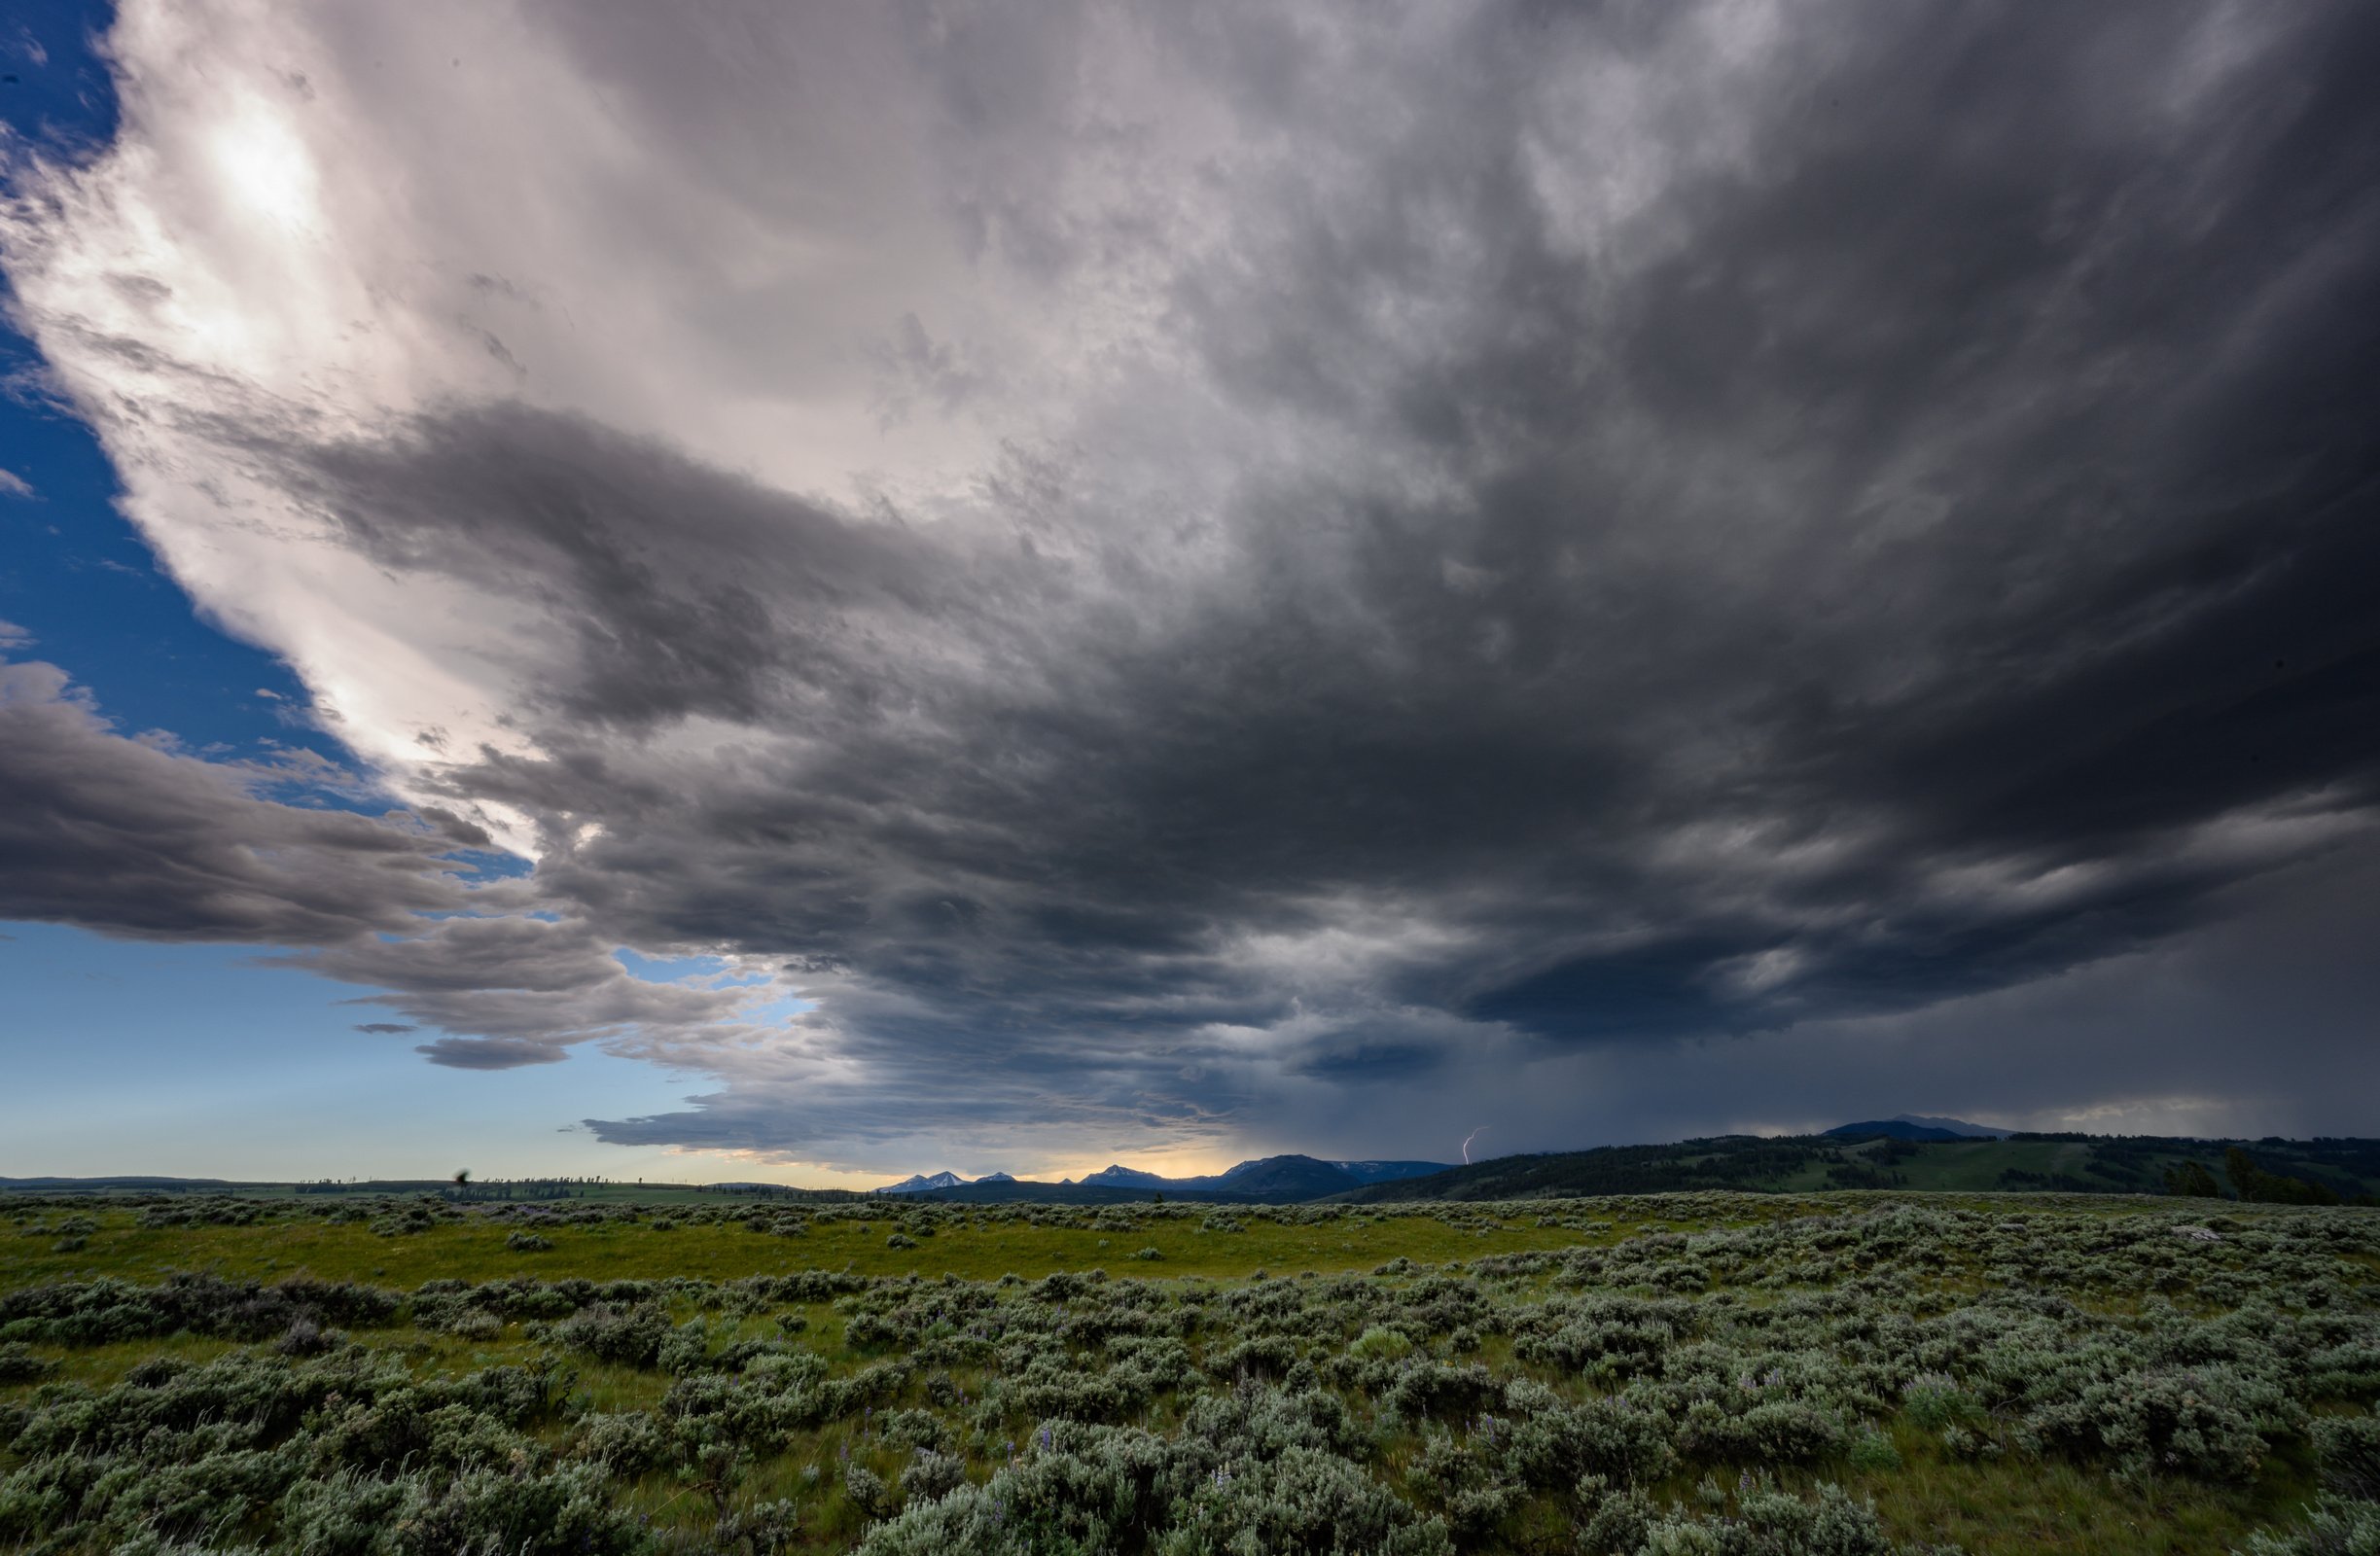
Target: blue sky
x,y
72,571
1177,588
191,1059
194,1059
102,1030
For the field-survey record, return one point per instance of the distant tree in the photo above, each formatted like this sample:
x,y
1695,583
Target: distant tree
x,y
462,1182
2190,1180
2255,1184
2242,1171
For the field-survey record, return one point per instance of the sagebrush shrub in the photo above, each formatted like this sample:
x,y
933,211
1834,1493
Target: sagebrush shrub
x,y
1489,1400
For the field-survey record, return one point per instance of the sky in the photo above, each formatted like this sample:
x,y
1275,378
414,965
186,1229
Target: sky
x,y
814,592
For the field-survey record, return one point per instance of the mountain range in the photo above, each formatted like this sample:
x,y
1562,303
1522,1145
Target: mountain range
x,y
1267,1178
1297,1176
1916,1127
1873,1155
1912,1152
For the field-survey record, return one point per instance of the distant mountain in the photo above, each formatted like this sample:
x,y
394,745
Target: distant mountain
x,y
1122,1176
1283,1178
1957,1126
922,1184
1388,1171
1276,1179
1289,1177
1916,1127
1025,1191
1306,1177
1891,1129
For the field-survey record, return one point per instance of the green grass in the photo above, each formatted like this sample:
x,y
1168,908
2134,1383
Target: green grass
x,y
278,1249
2011,1500
2069,1507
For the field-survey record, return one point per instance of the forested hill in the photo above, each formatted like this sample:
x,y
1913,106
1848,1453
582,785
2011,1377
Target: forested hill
x,y
2066,1163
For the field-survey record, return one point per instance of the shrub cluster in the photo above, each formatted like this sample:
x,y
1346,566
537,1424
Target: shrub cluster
x,y
1662,1390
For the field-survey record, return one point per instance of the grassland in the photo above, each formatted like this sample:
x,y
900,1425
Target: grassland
x,y
473,1248
1712,1372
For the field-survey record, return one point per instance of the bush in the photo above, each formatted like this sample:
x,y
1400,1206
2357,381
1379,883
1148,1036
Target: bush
x,y
1874,1451
632,1337
2334,1527
1607,1439
1767,1521
1311,1414
931,1477
2204,1423
866,1489
1934,1402
763,1529
686,1348
306,1337
2349,1449
1301,1501
629,1442
522,1514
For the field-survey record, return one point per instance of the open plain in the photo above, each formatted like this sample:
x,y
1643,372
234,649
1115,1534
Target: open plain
x,y
1826,1373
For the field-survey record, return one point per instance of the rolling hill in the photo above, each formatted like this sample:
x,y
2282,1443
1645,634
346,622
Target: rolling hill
x,y
2068,1163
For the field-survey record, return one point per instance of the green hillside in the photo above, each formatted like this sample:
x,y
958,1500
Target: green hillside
x,y
2021,1163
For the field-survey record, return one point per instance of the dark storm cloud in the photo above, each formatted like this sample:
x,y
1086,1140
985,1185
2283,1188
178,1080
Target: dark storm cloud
x,y
1785,522
491,1053
131,837
1918,551
683,592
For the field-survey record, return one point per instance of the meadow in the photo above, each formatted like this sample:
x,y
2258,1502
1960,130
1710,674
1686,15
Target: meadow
x,y
1817,1374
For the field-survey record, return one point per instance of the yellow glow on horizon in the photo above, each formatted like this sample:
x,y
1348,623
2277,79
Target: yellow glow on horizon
x,y
734,1166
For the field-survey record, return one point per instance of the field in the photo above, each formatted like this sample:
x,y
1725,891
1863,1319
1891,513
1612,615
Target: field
x,y
1822,1373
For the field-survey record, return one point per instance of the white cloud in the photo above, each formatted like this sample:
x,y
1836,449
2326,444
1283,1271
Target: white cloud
x,y
320,221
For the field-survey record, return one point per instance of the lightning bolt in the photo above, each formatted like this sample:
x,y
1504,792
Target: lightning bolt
x,y
1468,1139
